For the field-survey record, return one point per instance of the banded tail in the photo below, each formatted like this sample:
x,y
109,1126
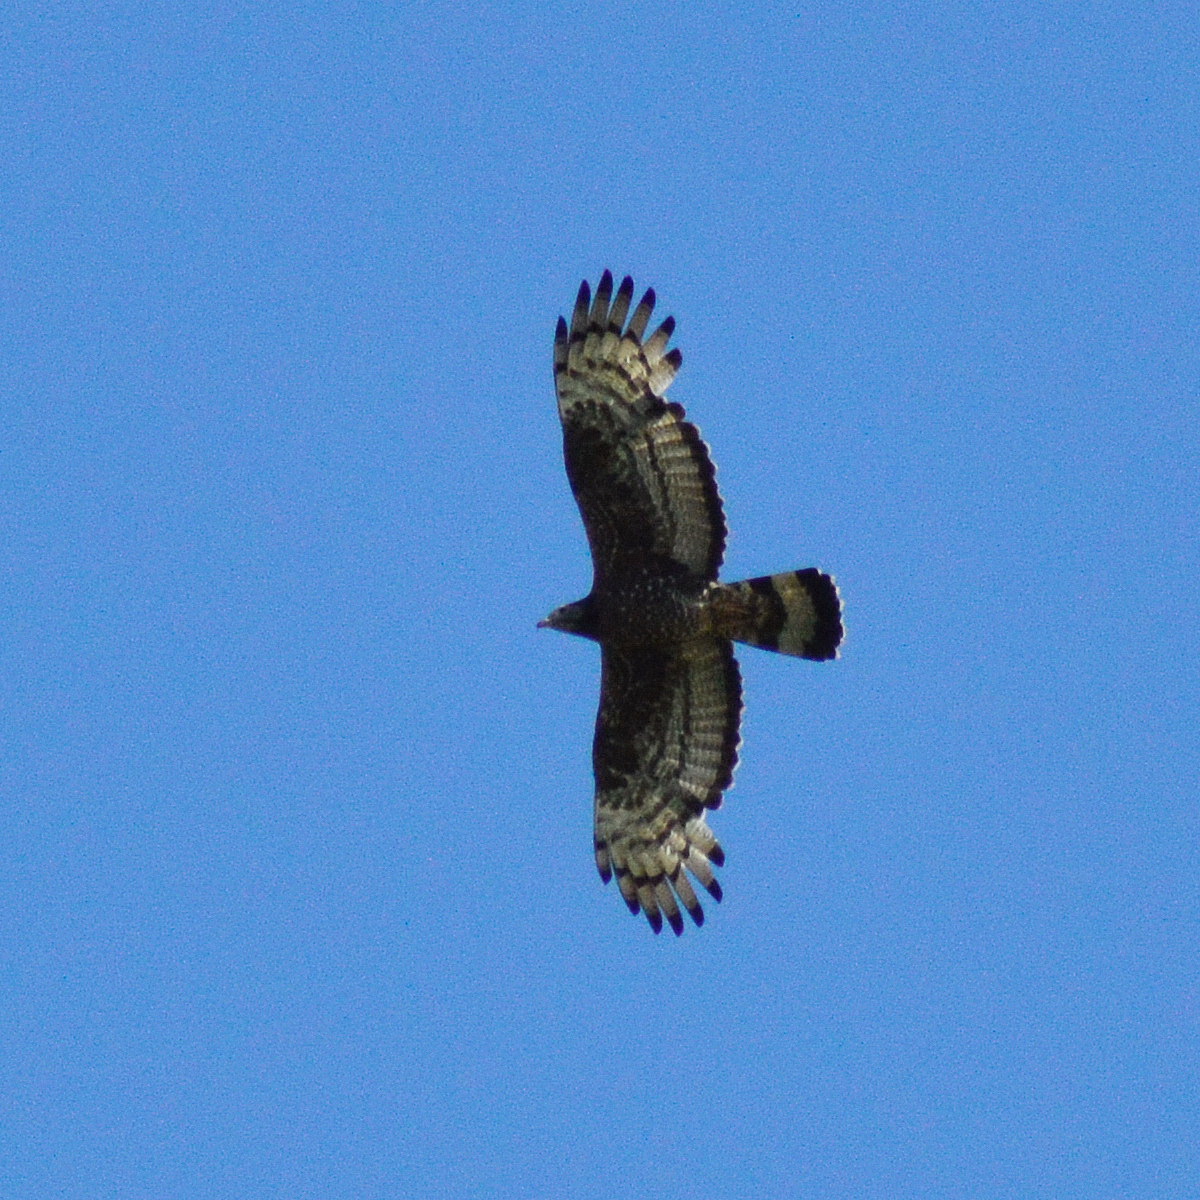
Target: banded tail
x,y
798,612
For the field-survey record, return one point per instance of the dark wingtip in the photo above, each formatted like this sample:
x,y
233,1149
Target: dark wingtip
x,y
676,921
655,919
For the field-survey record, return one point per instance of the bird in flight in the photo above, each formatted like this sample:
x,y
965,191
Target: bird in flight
x,y
666,736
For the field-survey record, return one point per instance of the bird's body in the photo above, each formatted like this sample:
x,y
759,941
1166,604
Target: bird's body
x,y
670,696
639,609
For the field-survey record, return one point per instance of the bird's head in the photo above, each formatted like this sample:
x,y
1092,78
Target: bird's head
x,y
578,617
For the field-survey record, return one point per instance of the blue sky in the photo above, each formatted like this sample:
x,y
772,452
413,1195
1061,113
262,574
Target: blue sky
x,y
296,865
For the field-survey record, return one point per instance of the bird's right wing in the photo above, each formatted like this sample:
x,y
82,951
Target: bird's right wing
x,y
665,749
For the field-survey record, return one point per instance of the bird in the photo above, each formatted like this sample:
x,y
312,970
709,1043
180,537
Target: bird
x,y
667,729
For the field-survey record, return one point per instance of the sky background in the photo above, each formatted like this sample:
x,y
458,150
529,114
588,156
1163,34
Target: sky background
x,y
297,895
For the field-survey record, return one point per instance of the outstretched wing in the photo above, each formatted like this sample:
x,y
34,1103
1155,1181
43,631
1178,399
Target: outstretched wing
x,y
665,749
641,474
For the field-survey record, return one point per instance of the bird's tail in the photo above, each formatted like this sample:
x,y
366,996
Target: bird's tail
x,y
798,612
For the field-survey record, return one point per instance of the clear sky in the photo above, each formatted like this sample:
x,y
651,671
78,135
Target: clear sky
x,y
296,869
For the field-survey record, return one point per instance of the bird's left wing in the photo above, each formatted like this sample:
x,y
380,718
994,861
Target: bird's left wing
x,y
641,474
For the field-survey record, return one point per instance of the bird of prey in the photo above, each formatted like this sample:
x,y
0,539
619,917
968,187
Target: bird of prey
x,y
666,736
